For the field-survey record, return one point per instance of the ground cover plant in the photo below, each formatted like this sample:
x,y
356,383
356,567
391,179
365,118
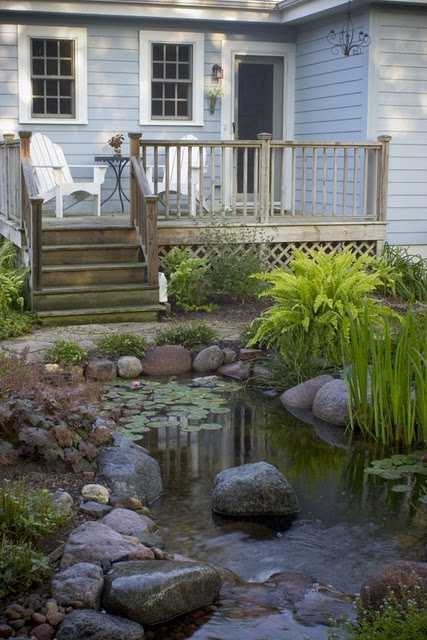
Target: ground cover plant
x,y
14,320
316,300
410,274
66,352
387,381
122,344
191,336
21,567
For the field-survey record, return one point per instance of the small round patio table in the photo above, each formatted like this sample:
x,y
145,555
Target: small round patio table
x,y
117,163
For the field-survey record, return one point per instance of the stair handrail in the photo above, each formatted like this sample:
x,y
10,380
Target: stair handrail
x,y
31,212
143,211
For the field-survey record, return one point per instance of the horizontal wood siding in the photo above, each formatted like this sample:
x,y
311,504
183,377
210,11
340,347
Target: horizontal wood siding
x,y
113,87
400,110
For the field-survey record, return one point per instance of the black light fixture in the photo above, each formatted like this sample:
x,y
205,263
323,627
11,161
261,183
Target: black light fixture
x,y
346,42
217,73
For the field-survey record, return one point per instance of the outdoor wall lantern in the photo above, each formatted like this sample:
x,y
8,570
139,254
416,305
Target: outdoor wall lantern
x,y
217,73
346,42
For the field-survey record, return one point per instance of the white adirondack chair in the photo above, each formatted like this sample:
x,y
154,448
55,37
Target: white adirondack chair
x,y
53,176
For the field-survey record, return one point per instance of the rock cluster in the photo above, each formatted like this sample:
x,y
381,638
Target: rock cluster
x,y
324,396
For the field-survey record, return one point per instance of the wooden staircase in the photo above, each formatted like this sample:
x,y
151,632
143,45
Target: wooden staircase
x,y
92,274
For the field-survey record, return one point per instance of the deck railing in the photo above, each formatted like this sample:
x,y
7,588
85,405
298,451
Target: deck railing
x,y
143,212
10,181
265,179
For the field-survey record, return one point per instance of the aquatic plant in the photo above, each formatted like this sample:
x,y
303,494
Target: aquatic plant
x,y
387,381
319,296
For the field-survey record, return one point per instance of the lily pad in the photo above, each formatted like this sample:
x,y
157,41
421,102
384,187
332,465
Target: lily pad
x,y
401,488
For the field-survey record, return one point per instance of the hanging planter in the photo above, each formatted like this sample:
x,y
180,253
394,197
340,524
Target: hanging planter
x,y
213,94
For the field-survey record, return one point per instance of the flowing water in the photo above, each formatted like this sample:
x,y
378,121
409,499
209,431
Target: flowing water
x,y
349,524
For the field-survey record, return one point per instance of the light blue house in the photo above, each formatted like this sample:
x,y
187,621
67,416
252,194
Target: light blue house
x,y
218,71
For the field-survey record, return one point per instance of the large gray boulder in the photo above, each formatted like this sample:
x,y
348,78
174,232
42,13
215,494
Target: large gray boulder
x,y
130,471
91,625
153,592
79,586
403,578
257,489
168,360
208,359
236,370
130,523
331,403
96,543
302,395
129,367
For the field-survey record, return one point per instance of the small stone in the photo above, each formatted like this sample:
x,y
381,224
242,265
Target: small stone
x,y
63,435
63,502
96,492
229,355
101,370
5,631
129,523
38,618
15,612
86,624
43,632
53,615
208,359
17,624
95,509
236,370
250,354
79,586
129,367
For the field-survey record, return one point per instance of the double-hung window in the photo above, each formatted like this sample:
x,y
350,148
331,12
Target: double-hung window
x,y
52,74
172,82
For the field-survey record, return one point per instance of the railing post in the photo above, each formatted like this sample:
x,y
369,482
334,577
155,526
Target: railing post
x,y
36,242
264,174
152,242
25,137
383,177
134,146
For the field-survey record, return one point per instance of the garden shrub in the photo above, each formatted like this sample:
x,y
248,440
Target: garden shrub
x,y
410,274
27,515
173,259
21,567
318,297
188,282
65,352
387,380
14,320
122,344
191,336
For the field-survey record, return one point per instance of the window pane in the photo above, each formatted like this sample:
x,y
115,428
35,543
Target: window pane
x,y
51,88
52,67
38,67
170,90
38,105
183,90
170,71
156,108
37,48
52,48
65,48
65,88
157,70
171,52
184,52
38,87
65,67
184,71
156,89
65,106
52,105
169,108
157,52
183,109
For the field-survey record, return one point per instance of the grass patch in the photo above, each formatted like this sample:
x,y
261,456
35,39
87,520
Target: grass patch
x,y
191,336
66,352
122,344
410,274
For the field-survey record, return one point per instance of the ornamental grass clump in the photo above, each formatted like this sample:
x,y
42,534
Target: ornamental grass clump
x,y
318,297
387,381
410,274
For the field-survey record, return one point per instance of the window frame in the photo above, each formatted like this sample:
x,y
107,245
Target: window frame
x,y
26,33
147,39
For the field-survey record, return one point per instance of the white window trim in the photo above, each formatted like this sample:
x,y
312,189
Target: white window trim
x,y
146,39
79,35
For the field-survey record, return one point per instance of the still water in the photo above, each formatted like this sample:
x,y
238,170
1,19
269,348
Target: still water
x,y
349,523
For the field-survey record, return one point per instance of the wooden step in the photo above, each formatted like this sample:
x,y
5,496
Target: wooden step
x,y
66,254
92,274
94,297
88,235
143,313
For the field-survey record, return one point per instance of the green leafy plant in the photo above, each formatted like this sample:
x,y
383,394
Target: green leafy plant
x,y
123,344
387,381
25,514
191,336
320,295
410,274
173,259
14,321
20,567
188,285
66,352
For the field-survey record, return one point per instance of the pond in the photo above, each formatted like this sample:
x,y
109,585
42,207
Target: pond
x,y
350,522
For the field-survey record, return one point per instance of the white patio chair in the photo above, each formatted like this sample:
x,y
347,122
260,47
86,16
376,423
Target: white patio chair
x,y
53,176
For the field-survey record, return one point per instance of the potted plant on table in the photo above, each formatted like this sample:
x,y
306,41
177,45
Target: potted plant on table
x,y
115,142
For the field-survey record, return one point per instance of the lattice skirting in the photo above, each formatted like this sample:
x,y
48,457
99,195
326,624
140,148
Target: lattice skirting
x,y
278,254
